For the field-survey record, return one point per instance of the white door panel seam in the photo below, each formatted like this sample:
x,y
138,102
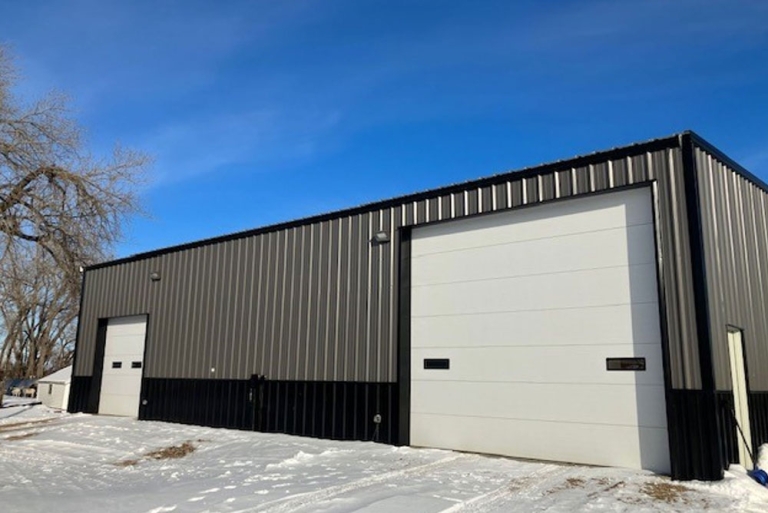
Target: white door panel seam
x,y
533,275
588,307
528,419
524,241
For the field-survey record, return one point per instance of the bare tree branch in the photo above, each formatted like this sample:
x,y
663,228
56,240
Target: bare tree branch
x,y
60,208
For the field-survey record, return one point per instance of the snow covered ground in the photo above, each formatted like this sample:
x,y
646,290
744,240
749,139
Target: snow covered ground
x,y
59,462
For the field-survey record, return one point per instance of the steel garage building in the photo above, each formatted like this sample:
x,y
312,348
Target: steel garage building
x,y
610,309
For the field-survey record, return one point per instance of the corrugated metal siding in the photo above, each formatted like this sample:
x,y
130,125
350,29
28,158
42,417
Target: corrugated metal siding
x,y
318,301
337,410
735,228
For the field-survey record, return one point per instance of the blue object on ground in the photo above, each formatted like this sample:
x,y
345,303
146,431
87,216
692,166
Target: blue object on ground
x,y
759,475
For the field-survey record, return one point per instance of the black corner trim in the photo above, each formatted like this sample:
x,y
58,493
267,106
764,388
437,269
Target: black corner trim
x,y
698,263
404,336
98,367
710,426
72,405
142,398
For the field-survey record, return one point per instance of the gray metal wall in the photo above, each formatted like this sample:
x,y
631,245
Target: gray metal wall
x,y
318,301
735,228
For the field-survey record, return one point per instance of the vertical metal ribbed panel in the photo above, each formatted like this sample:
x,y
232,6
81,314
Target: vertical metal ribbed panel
x,y
735,229
675,269
318,301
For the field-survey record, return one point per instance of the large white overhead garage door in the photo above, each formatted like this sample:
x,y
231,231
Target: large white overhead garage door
x,y
525,308
123,363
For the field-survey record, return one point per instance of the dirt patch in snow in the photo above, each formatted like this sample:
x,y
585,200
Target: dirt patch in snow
x,y
670,493
599,485
574,482
605,485
127,463
172,452
666,492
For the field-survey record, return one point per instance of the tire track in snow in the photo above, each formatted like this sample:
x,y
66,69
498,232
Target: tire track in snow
x,y
20,426
303,500
67,449
510,491
43,425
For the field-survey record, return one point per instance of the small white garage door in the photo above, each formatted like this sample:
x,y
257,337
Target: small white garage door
x,y
525,308
123,363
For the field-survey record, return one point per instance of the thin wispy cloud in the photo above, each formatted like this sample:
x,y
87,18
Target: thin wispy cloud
x,y
175,58
263,140
136,61
141,46
329,97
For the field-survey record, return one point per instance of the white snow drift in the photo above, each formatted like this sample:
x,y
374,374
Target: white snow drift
x,y
59,462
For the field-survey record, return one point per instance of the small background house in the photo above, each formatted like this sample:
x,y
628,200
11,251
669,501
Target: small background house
x,y
53,390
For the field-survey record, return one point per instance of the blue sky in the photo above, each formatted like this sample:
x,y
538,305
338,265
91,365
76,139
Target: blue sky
x,y
260,112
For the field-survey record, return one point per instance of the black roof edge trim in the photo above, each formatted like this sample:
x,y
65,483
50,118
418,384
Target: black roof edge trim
x,y
672,141
725,159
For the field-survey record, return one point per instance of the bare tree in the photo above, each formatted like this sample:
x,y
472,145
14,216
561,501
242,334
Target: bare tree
x,y
40,310
60,208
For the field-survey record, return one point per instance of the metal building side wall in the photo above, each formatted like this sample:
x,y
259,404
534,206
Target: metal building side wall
x,y
735,229
318,301
302,304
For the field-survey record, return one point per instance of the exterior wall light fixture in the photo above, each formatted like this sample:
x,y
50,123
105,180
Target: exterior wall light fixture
x,y
380,237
